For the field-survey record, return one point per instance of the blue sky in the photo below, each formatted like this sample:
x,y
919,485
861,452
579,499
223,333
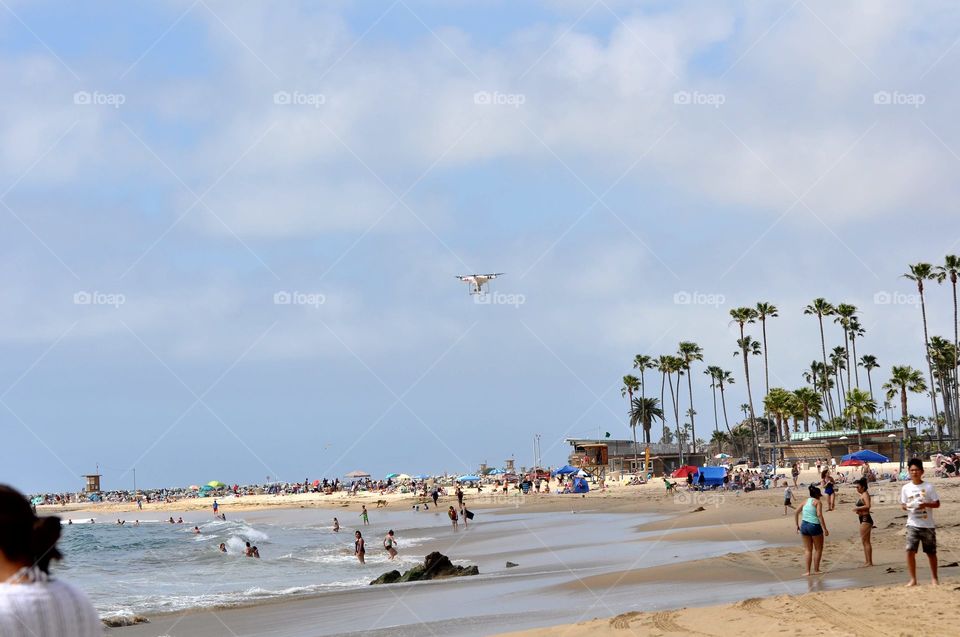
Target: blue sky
x,y
628,153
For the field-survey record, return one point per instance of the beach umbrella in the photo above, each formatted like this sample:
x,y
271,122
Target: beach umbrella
x,y
194,487
866,455
496,472
684,471
468,479
722,456
316,483
422,476
852,462
358,474
402,476
392,475
215,484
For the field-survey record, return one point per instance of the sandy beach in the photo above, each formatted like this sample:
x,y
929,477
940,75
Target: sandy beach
x,y
626,558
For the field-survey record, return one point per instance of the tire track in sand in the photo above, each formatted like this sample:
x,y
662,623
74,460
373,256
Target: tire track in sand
x,y
838,619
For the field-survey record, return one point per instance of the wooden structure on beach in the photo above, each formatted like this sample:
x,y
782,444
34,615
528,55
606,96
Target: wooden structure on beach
x,y
93,483
811,446
623,456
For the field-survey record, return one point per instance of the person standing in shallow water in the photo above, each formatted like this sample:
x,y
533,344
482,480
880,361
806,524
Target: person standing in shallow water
x,y
452,514
32,604
358,547
390,543
364,515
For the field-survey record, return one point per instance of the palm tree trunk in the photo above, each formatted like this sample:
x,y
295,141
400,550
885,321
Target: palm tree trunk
x,y
766,364
856,372
933,385
870,383
716,417
839,390
823,349
676,418
846,354
903,409
693,427
723,401
636,458
806,420
956,353
859,430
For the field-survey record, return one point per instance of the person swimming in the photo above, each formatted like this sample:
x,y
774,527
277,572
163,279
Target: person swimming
x,y
223,547
248,551
336,525
179,520
171,520
196,530
256,552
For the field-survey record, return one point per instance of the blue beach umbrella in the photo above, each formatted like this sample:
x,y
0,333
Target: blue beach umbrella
x,y
392,475
422,476
468,479
865,455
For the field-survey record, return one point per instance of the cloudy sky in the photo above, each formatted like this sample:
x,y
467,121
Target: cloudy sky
x,y
229,230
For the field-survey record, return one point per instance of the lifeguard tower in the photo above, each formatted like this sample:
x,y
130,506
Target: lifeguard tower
x,y
93,483
595,459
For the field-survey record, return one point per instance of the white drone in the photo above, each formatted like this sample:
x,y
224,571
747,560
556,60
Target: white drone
x,y
477,281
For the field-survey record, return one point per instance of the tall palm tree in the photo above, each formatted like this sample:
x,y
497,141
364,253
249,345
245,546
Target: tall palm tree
x,y
749,347
838,358
743,316
690,352
724,378
712,371
643,411
942,353
808,402
643,363
630,385
856,331
949,270
859,404
904,378
779,403
846,313
820,307
869,363
764,311
919,273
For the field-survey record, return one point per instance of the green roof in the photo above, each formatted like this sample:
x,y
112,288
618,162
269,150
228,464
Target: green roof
x,y
800,436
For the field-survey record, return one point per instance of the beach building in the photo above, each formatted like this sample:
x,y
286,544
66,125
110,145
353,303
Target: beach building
x,y
93,482
608,455
808,446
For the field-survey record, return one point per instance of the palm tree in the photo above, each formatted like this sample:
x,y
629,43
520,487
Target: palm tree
x,y
765,310
846,313
689,352
748,347
719,438
942,353
724,378
643,363
856,331
742,316
904,378
630,385
949,270
838,358
919,273
643,411
712,371
869,362
859,404
808,401
821,307
779,403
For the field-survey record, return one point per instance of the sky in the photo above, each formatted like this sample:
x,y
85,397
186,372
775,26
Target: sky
x,y
229,230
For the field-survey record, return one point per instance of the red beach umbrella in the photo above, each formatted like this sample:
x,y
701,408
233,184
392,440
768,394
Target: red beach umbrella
x,y
851,463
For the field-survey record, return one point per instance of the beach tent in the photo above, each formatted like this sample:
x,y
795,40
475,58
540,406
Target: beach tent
x,y
712,476
215,484
852,463
565,470
684,471
580,485
865,455
358,474
468,479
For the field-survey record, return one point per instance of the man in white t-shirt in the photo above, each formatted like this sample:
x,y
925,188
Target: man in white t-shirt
x,y
918,499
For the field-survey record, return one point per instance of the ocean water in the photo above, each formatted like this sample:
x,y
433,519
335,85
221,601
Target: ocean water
x,y
161,567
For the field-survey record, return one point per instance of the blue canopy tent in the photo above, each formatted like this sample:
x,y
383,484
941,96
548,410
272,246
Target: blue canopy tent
x,y
565,470
865,455
580,485
712,476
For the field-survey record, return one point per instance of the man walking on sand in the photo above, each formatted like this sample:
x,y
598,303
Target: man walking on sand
x,y
918,498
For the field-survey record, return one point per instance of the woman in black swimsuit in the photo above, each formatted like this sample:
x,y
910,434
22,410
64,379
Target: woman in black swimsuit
x,y
358,549
829,489
862,509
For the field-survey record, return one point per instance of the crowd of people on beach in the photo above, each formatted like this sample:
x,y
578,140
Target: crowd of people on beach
x,y
917,498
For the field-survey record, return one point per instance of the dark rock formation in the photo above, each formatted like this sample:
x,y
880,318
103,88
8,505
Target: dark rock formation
x,y
435,566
